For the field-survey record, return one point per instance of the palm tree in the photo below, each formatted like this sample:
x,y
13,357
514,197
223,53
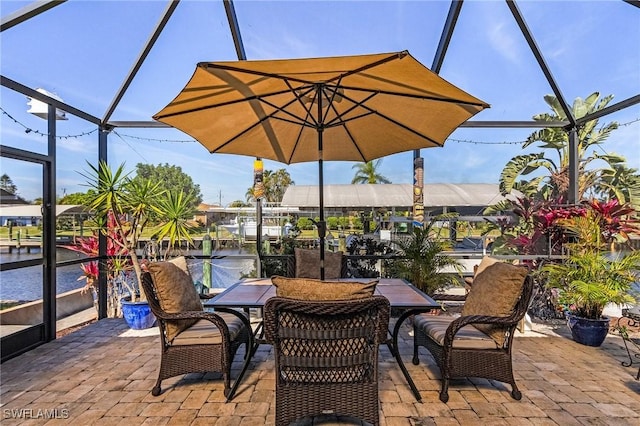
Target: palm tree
x,y
275,185
620,182
368,173
613,178
421,260
178,210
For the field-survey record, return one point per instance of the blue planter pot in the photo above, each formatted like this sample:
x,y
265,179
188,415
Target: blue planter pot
x,y
138,315
590,332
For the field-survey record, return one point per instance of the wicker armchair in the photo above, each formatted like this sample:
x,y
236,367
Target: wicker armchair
x,y
462,350
208,345
326,356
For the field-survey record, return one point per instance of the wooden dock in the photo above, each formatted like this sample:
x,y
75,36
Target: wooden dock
x,y
27,245
10,246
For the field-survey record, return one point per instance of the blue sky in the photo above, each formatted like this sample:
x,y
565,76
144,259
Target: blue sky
x,y
83,50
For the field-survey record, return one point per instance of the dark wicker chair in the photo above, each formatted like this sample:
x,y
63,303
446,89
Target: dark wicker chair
x,y
326,356
472,353
306,264
187,353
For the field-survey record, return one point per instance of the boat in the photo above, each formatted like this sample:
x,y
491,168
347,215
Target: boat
x,y
232,227
246,228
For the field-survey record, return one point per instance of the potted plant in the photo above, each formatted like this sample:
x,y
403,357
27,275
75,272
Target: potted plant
x,y
591,277
370,249
421,261
117,263
124,207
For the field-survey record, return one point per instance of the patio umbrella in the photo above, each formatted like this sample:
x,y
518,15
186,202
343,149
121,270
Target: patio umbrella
x,y
349,108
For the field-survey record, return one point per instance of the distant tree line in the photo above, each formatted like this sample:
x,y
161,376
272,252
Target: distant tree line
x,y
7,184
169,178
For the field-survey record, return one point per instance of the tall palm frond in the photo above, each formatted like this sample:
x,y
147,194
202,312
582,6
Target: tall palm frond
x,y
556,140
178,210
367,173
107,186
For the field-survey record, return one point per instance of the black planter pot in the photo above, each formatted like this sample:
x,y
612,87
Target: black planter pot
x,y
590,332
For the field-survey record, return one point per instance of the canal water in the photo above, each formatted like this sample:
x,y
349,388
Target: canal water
x,y
25,284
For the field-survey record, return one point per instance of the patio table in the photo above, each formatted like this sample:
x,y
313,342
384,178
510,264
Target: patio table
x,y
253,293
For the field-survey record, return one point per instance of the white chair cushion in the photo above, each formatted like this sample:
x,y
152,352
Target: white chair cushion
x,y
204,332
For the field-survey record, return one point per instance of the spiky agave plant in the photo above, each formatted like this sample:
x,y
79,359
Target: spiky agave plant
x,y
129,204
177,210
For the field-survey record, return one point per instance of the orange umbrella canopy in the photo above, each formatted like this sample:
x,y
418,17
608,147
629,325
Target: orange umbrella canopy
x,y
350,108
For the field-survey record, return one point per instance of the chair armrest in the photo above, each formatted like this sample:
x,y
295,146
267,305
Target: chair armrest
x,y
449,297
209,316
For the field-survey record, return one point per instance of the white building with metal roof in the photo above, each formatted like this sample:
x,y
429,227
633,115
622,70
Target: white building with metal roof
x,y
464,198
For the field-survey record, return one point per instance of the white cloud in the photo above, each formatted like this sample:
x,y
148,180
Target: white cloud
x,y
76,145
503,41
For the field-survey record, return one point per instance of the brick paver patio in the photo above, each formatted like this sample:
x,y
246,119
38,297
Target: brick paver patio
x,y
103,375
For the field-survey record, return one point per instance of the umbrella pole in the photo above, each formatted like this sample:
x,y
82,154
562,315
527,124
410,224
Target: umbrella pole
x,y
322,229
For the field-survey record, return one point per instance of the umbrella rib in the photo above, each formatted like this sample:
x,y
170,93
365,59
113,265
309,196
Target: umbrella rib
x,y
222,104
339,121
416,96
261,99
279,153
254,72
218,90
409,129
338,116
298,96
298,120
353,140
254,103
356,104
330,105
295,145
300,123
227,67
382,61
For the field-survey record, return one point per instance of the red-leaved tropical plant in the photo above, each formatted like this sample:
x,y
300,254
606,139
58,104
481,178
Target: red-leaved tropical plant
x,y
543,223
536,229
617,220
118,265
